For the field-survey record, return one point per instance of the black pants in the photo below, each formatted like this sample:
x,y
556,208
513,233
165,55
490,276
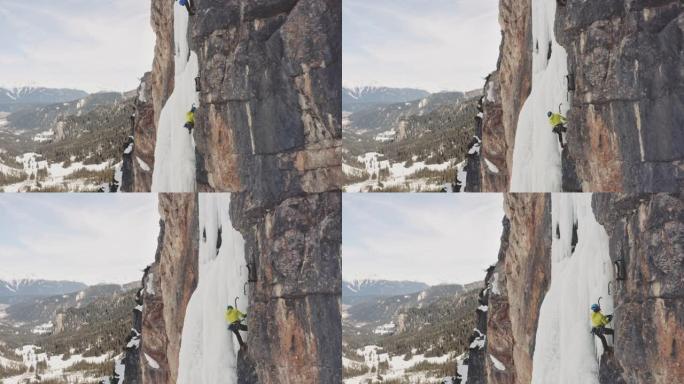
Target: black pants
x,y
189,126
600,332
236,328
559,129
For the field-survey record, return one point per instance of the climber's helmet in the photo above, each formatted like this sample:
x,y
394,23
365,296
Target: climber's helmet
x,y
229,307
549,114
595,307
193,109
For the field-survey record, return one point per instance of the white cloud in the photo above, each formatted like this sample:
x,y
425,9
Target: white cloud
x,y
95,46
424,237
93,240
443,45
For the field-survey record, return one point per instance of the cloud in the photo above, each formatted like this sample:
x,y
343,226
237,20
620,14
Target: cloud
x,y
447,44
94,239
91,45
425,237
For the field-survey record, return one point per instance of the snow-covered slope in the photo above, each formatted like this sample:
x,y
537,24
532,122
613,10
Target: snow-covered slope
x,y
537,153
174,154
565,350
208,353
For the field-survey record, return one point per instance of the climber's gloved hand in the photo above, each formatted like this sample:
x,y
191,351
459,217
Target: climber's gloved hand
x,y
609,317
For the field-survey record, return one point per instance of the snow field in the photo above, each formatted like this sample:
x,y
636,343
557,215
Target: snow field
x,y
565,350
174,154
536,154
373,356
208,353
398,172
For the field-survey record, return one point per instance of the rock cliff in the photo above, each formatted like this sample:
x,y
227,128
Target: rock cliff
x,y
268,129
646,243
646,237
505,92
624,85
627,110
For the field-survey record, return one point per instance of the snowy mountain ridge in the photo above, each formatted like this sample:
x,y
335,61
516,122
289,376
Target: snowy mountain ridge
x,y
37,95
32,286
369,287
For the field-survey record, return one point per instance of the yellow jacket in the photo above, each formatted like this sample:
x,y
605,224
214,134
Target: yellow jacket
x,y
190,117
233,316
556,119
598,320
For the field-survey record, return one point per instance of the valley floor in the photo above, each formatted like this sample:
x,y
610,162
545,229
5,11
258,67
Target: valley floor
x,y
41,175
382,367
74,369
387,176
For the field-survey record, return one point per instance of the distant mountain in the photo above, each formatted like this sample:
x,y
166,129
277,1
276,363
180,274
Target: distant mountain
x,y
379,118
44,308
18,290
359,290
46,117
383,309
358,97
11,99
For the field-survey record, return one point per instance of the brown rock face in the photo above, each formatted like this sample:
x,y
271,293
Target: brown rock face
x,y
295,247
627,110
647,233
270,94
493,145
268,128
510,86
163,66
522,276
171,282
155,88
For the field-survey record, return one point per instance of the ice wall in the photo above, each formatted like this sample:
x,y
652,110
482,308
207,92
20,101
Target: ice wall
x,y
536,153
208,353
566,351
174,154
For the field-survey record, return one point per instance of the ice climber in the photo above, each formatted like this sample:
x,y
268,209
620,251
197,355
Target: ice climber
x,y
558,121
190,119
234,319
598,323
188,5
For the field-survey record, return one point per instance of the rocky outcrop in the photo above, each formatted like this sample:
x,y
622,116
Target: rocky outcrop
x,y
137,170
270,76
154,90
519,285
295,248
514,289
627,111
506,91
171,280
269,128
646,236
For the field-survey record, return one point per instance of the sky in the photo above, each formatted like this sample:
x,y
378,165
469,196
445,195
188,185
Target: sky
x,y
90,238
431,238
434,45
93,45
